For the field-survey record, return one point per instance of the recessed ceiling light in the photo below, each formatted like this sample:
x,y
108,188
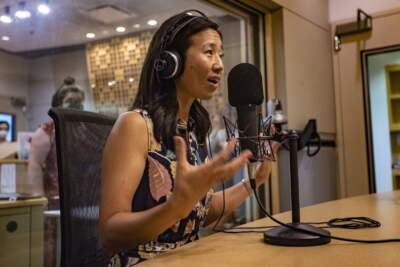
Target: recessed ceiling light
x,y
152,22
131,79
137,25
6,18
120,29
90,35
44,9
5,38
22,12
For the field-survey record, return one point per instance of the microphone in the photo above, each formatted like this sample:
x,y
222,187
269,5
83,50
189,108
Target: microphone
x,y
245,93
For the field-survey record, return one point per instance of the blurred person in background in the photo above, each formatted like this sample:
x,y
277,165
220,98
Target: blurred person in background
x,y
42,162
4,129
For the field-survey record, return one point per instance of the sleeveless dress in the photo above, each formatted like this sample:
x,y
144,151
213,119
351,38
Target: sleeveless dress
x,y
155,187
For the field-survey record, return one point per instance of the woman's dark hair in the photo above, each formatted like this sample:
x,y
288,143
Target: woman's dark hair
x,y
67,87
158,96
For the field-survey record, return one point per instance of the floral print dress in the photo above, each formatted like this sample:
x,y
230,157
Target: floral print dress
x,y
155,187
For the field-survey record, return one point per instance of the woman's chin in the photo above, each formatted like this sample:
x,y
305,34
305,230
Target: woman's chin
x,y
207,96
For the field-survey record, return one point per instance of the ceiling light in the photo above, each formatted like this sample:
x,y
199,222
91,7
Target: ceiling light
x,y
120,29
131,79
90,35
22,12
6,18
152,22
5,38
137,25
43,8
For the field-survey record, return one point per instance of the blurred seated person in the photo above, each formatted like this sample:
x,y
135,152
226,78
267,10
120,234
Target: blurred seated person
x,y
42,162
8,150
4,128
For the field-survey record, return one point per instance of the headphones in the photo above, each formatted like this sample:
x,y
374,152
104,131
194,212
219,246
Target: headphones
x,y
169,65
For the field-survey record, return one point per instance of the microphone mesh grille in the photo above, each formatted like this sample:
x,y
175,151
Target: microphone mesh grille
x,y
245,85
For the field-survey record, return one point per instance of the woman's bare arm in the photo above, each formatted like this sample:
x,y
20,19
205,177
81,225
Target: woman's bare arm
x,y
123,164
237,194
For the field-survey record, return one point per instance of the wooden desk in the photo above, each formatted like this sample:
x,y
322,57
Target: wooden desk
x,y
249,249
21,232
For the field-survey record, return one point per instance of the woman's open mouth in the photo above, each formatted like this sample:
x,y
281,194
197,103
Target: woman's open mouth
x,y
214,81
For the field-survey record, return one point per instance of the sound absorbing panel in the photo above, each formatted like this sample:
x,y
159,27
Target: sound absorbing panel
x,y
114,67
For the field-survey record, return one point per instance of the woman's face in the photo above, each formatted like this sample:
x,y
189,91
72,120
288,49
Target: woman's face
x,y
73,100
204,69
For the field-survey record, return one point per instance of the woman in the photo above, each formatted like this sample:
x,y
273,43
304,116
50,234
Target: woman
x,y
156,186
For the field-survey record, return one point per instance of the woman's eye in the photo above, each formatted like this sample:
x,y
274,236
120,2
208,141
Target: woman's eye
x,y
209,52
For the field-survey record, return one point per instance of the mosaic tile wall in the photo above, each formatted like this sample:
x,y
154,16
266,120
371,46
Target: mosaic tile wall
x,y
114,68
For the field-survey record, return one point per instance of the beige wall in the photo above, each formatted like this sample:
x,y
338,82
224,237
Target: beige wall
x,y
349,100
46,75
308,67
314,11
303,82
301,35
36,80
14,74
345,9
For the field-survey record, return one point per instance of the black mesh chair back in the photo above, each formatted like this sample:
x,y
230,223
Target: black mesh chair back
x,y
80,139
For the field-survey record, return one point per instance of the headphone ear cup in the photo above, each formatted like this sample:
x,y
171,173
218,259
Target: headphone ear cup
x,y
172,65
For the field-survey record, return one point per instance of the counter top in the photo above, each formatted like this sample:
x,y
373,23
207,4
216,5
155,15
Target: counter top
x,y
13,161
23,203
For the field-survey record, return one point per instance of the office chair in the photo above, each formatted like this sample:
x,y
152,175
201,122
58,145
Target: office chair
x,y
80,139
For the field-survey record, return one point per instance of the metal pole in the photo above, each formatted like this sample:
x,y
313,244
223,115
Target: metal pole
x,y
294,176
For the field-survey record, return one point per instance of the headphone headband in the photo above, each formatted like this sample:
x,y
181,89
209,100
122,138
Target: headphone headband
x,y
177,27
169,64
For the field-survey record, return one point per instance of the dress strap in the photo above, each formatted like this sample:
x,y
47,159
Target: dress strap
x,y
152,143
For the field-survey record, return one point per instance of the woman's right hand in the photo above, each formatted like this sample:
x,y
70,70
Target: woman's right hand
x,y
193,182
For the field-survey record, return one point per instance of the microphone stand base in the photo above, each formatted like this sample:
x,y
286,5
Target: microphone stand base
x,y
284,236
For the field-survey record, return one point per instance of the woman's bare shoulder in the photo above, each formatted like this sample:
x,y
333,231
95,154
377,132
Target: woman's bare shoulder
x,y
129,130
131,121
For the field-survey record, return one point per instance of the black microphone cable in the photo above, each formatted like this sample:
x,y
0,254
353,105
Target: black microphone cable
x,y
253,186
214,229
346,223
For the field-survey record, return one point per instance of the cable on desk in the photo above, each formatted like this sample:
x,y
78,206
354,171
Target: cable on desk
x,y
353,223
253,186
347,223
